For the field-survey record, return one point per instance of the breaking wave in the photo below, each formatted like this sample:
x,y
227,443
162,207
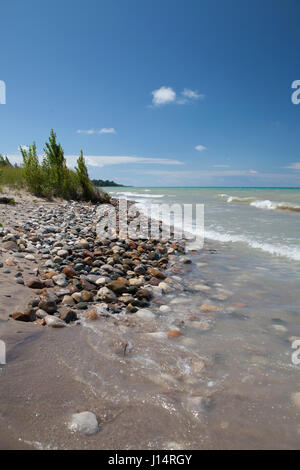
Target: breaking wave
x,y
265,204
274,249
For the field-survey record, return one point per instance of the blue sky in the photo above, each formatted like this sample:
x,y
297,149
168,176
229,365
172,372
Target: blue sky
x,y
156,93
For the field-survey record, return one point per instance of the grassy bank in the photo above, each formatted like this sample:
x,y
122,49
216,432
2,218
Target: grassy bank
x,y
50,178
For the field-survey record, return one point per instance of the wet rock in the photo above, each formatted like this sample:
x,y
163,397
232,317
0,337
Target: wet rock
x,y
209,308
48,304
41,313
54,322
117,287
145,314
26,316
184,260
35,283
85,423
165,308
126,298
86,296
68,315
69,272
62,253
68,300
144,294
165,287
136,282
101,281
174,333
156,273
85,284
60,280
202,325
106,295
82,306
131,308
92,315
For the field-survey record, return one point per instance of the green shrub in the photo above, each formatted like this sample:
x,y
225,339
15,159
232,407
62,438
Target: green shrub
x,y
33,174
52,178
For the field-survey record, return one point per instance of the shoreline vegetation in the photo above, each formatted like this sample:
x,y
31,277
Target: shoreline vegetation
x,y
51,178
108,183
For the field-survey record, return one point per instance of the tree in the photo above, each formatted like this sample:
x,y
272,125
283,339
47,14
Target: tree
x,y
83,178
32,170
4,161
54,164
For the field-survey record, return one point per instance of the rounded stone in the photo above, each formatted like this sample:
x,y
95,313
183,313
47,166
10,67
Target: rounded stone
x,y
85,423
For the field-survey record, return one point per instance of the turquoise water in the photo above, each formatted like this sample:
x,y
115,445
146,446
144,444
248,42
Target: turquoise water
x,y
263,219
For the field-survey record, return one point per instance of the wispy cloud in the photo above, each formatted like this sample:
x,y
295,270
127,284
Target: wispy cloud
x,y
192,94
200,148
198,173
104,130
188,95
221,166
105,160
294,166
107,130
166,95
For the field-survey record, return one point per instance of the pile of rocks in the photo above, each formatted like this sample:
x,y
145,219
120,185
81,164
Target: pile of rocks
x,y
80,274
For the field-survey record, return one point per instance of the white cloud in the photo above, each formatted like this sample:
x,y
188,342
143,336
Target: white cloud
x,y
163,95
200,148
24,147
294,166
167,95
221,166
107,130
191,94
88,131
104,160
104,130
198,173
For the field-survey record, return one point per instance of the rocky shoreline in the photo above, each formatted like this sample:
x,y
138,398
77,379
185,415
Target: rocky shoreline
x,y
53,249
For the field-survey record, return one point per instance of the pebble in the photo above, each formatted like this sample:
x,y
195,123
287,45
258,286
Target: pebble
x,y
54,322
85,423
145,314
165,308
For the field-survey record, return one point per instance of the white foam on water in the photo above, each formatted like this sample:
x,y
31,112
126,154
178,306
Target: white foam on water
x,y
266,204
261,204
279,250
